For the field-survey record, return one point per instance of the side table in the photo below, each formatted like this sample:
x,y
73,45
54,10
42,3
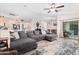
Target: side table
x,y
5,42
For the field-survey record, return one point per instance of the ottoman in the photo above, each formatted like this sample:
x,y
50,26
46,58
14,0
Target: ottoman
x,y
50,37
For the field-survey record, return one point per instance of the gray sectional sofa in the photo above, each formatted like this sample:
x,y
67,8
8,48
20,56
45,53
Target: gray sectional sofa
x,y
28,41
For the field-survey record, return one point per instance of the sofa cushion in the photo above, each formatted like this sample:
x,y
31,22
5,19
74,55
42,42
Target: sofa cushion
x,y
15,35
43,32
22,34
30,34
36,32
38,37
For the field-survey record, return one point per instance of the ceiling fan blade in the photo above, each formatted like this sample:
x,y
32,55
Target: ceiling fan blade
x,y
49,11
46,8
60,6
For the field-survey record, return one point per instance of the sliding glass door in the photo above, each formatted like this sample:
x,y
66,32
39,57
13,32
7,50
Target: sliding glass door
x,y
70,28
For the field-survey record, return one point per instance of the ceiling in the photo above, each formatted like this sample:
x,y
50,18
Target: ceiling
x,y
36,10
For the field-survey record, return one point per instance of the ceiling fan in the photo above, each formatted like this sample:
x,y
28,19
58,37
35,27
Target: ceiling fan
x,y
54,7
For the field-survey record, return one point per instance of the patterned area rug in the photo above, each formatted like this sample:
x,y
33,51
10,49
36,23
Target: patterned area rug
x,y
46,48
68,48
57,47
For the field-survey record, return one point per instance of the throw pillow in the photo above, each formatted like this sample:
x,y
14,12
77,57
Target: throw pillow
x,y
36,32
43,32
22,34
16,35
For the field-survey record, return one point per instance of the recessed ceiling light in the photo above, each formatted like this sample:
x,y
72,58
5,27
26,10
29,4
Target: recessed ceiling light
x,y
25,5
